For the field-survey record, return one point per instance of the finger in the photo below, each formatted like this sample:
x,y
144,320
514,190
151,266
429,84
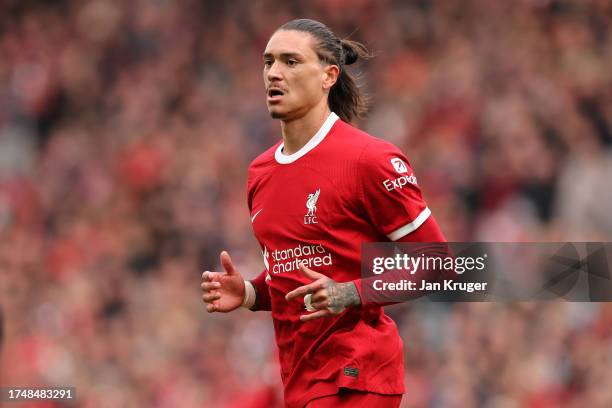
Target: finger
x,y
210,297
316,315
320,305
309,273
208,286
210,308
320,295
307,305
226,261
208,276
304,290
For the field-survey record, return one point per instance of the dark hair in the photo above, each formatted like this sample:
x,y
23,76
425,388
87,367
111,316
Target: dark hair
x,y
345,98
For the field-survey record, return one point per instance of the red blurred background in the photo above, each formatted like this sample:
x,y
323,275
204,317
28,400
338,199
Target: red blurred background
x,y
125,132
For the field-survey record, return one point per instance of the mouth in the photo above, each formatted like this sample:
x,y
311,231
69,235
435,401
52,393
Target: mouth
x,y
275,93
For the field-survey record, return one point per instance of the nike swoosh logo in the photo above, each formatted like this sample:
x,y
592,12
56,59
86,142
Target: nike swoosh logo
x,y
255,215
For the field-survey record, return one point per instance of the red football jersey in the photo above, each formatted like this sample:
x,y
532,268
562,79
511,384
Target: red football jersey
x,y
343,188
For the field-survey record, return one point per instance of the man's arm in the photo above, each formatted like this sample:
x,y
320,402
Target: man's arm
x,y
428,232
330,297
261,299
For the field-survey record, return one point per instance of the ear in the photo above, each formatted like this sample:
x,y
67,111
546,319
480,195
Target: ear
x,y
330,76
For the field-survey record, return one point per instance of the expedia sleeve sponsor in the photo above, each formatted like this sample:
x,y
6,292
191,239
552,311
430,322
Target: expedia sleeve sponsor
x,y
399,182
391,197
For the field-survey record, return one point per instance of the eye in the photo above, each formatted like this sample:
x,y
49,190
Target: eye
x,y
292,62
267,63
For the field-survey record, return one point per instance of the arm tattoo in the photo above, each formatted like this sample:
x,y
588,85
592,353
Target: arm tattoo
x,y
343,295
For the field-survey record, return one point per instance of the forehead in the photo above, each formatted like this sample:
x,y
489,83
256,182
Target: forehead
x,y
291,41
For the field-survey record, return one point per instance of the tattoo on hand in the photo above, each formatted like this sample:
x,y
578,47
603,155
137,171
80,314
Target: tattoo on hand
x,y
343,295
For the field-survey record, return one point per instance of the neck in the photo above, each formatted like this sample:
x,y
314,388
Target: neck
x,y
297,132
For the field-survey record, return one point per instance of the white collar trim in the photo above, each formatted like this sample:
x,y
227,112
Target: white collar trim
x,y
312,143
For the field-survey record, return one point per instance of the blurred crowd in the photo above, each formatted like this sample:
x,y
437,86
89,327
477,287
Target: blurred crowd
x,y
126,128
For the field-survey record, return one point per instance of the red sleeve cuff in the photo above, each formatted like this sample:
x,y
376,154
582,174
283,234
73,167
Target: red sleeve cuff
x,y
262,295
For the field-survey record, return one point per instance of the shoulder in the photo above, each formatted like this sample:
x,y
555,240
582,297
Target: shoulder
x,y
259,167
367,150
358,143
263,161
350,136
378,151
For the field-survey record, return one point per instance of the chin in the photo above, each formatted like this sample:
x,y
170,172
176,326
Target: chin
x,y
275,114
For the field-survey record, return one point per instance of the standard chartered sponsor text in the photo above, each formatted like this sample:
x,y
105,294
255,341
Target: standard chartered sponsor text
x,y
287,260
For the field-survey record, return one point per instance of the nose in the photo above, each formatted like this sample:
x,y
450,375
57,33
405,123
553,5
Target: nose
x,y
274,72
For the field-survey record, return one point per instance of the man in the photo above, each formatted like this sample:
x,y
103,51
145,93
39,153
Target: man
x,y
314,198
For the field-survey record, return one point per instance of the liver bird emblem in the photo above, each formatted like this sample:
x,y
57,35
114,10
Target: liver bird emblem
x,y
311,202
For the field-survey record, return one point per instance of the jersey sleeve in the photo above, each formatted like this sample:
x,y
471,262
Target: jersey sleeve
x,y
262,294
429,232
391,196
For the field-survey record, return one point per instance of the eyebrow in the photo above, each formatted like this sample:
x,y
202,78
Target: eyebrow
x,y
285,55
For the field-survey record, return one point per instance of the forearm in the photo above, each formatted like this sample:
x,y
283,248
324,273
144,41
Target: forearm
x,y
429,232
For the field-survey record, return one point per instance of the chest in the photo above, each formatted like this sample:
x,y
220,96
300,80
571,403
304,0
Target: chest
x,y
301,204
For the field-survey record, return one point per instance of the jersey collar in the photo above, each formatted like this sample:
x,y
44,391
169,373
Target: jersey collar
x,y
312,143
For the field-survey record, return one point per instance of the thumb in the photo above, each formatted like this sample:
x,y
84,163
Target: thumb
x,y
309,273
226,261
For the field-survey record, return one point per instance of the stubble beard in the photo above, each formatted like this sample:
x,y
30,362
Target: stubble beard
x,y
276,115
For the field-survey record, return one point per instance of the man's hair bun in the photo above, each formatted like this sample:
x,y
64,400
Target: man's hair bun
x,y
350,54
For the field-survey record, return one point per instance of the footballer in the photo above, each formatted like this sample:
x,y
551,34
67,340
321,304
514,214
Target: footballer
x,y
324,189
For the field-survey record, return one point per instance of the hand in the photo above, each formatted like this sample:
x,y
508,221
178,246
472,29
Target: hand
x,y
328,296
223,292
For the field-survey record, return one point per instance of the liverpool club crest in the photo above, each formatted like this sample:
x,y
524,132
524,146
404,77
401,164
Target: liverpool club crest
x,y
311,207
